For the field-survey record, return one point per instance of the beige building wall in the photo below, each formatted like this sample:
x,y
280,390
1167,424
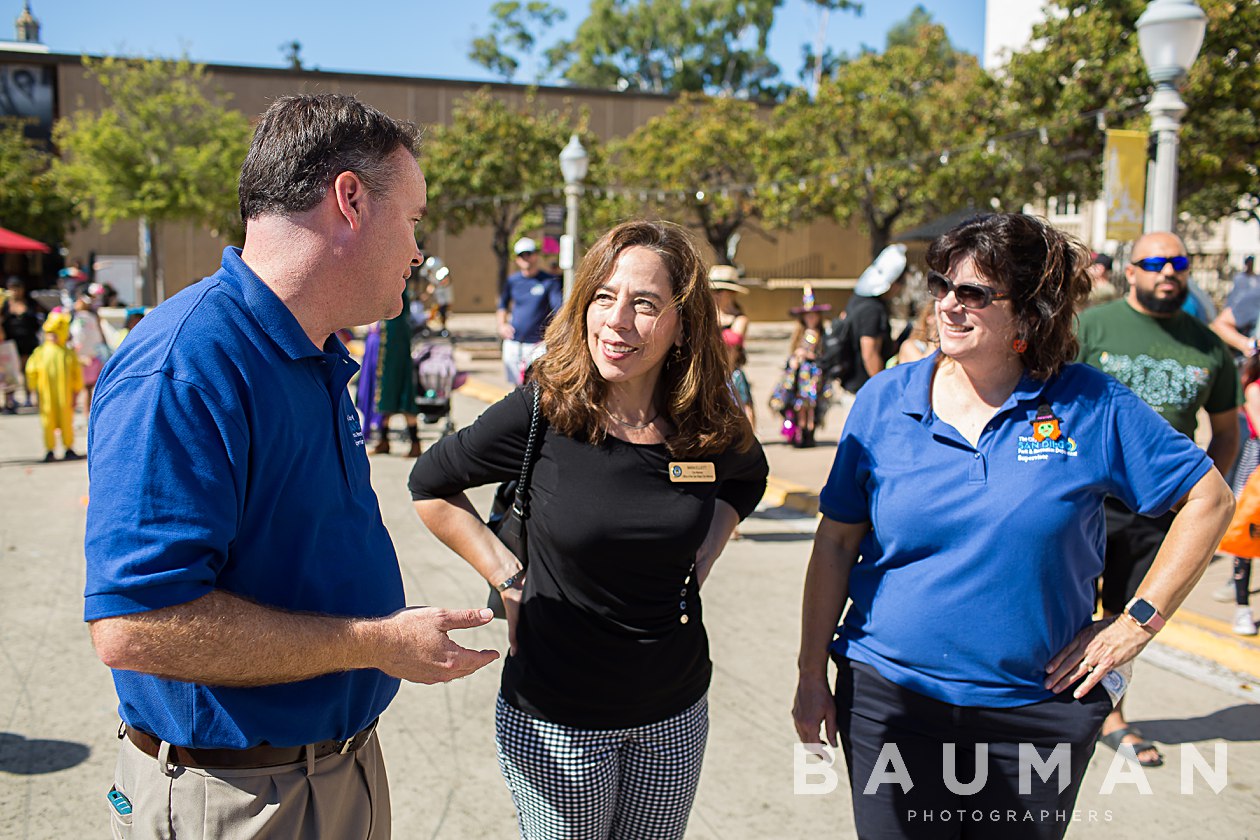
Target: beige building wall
x,y
817,251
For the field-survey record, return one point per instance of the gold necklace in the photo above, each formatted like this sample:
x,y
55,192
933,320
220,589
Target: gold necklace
x,y
626,425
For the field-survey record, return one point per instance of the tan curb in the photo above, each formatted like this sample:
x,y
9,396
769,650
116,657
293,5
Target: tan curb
x,y
1212,639
798,497
487,392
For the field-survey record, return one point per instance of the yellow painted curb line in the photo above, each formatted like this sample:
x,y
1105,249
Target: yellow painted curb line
x,y
780,493
487,392
1212,639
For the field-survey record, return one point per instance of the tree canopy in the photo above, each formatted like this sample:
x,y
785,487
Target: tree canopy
x,y
29,200
513,30
1084,57
893,139
164,147
491,148
697,162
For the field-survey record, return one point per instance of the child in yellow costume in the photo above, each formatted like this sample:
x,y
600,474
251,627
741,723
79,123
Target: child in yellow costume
x,y
53,372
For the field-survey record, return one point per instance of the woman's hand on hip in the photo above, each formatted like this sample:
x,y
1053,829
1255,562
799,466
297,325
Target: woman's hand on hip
x,y
1097,649
814,711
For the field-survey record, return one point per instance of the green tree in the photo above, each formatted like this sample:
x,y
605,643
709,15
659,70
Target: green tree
x,y
514,29
893,139
1085,57
29,200
497,165
697,162
671,46
164,147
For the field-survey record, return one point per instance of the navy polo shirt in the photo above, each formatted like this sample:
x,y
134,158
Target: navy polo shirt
x,y
980,563
224,453
533,300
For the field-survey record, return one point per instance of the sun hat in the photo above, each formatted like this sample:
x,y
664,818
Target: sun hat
x,y
726,277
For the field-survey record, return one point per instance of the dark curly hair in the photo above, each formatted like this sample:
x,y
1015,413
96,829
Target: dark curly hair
x,y
1041,267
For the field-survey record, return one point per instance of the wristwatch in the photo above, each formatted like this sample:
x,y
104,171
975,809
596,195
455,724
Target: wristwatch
x,y
1145,614
510,581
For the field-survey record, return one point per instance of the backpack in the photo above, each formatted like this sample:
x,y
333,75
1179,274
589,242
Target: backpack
x,y
839,352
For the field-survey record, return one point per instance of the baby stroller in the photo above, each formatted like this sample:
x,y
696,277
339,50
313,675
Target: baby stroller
x,y
436,378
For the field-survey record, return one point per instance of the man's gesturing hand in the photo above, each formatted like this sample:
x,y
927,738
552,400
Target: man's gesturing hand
x,y
412,644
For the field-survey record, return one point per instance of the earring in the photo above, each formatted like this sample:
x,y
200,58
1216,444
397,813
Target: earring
x,y
1019,345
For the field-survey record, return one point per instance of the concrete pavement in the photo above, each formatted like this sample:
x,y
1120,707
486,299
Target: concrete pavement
x,y
58,718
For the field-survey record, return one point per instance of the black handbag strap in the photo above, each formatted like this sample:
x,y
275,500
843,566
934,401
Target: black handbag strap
x,y
520,501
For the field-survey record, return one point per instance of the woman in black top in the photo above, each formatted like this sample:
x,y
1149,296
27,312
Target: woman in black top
x,y
20,319
645,468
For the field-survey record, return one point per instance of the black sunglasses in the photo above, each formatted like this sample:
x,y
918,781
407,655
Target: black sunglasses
x,y
525,253
1156,264
968,295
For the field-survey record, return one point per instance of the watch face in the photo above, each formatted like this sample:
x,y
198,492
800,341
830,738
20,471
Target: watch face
x,y
1141,610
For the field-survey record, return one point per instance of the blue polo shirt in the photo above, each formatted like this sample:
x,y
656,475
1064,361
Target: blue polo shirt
x,y
533,300
224,453
980,563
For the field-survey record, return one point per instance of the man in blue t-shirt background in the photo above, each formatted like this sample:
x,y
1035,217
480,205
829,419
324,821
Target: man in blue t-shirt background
x,y
529,298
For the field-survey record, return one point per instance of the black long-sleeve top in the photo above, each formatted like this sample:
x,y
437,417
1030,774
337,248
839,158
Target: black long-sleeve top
x,y
610,634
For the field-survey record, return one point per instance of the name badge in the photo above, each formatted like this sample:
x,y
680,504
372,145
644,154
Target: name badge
x,y
691,471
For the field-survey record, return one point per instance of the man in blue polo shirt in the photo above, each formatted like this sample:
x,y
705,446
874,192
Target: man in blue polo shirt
x,y
528,299
240,580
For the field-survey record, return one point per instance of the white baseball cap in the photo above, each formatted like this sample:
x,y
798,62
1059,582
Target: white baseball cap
x,y
881,274
524,244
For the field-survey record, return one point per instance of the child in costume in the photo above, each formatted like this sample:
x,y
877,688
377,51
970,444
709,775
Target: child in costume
x,y
53,372
803,391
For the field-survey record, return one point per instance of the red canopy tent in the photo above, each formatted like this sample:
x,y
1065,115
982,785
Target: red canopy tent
x,y
16,243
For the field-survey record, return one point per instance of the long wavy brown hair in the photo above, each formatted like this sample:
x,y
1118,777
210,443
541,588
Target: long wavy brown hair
x,y
1043,269
694,382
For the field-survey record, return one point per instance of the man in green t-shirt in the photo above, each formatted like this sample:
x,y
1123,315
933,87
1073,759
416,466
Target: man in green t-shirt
x,y
1178,365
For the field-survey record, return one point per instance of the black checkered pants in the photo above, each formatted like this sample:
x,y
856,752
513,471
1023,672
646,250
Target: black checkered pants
x,y
602,784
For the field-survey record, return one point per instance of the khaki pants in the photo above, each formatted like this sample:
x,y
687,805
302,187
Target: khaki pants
x,y
337,797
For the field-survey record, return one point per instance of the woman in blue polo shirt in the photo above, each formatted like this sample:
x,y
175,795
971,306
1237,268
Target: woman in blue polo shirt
x,y
963,517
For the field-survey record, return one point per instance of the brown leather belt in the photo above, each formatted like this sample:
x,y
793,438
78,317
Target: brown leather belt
x,y
263,755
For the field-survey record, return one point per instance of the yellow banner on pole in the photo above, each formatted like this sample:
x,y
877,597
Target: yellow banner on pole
x,y
1124,183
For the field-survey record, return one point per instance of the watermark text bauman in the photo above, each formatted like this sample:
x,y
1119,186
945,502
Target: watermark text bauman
x,y
814,773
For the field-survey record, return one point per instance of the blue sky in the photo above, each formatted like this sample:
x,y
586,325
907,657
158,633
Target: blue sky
x,y
418,38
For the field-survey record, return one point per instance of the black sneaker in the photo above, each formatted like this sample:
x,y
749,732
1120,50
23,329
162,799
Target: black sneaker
x,y
71,455
49,457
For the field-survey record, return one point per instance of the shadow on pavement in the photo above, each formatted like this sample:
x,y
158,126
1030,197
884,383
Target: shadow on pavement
x,y
1236,723
33,757
783,536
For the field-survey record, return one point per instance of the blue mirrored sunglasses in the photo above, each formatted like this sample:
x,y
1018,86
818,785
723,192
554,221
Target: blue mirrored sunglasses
x,y
1156,264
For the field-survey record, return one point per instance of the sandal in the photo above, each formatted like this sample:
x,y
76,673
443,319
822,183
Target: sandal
x,y
1116,738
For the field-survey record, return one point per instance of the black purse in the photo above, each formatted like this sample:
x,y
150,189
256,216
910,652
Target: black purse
x,y
511,506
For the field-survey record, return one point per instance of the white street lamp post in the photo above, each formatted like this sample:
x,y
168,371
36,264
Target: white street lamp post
x,y
573,165
1170,33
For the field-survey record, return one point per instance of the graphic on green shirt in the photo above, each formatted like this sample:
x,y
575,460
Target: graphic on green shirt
x,y
1177,365
1164,384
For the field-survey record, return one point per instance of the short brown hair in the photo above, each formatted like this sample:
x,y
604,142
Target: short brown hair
x,y
302,143
697,399
1043,269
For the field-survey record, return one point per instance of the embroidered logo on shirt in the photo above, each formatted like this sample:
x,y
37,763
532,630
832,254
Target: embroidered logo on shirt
x,y
1047,438
356,431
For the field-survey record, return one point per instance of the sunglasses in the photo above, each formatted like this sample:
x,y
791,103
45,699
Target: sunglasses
x,y
1156,264
525,254
968,295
